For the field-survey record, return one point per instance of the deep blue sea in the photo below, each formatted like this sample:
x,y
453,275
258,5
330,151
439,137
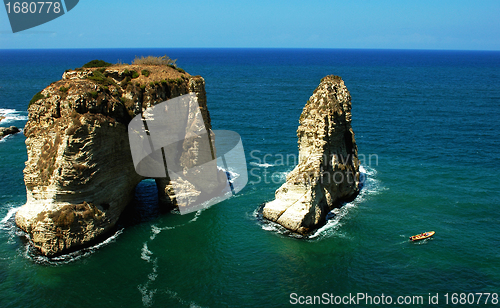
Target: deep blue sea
x,y
427,128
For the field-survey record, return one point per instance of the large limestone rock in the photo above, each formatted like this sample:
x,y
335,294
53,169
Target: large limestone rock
x,y
328,169
79,175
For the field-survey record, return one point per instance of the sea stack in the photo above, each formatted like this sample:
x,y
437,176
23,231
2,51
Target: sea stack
x,y
328,170
79,175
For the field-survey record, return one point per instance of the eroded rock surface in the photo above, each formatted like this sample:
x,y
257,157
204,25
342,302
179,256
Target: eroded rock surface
x,y
328,170
79,175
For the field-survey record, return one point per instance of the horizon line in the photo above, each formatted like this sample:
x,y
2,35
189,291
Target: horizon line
x,y
276,48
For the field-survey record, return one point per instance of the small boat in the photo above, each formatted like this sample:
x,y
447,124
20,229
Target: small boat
x,y
422,236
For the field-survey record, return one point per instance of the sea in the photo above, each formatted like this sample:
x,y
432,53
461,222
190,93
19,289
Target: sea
x,y
427,126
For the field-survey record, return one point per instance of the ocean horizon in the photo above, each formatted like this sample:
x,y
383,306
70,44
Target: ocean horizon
x,y
426,124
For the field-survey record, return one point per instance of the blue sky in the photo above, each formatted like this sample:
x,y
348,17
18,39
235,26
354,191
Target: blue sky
x,y
423,24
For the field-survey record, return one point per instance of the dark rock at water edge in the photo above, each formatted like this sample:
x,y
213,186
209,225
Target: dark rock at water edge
x,y
5,131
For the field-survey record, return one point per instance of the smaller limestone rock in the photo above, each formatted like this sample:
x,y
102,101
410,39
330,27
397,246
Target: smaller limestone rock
x,y
328,169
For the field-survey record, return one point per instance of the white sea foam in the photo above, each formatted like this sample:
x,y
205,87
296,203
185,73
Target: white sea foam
x,y
232,174
155,230
9,215
72,256
147,295
4,139
146,253
152,276
195,218
272,226
146,289
174,295
281,175
371,186
333,224
367,169
264,165
11,115
8,225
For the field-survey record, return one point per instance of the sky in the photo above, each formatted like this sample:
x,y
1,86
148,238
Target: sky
x,y
423,24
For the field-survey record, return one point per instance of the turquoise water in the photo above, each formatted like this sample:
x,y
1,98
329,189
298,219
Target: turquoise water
x,y
426,125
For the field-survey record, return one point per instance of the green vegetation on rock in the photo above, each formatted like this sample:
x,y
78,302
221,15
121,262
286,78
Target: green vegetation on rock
x,y
97,63
36,97
99,78
176,80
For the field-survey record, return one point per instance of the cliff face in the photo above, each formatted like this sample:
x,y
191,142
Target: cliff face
x,y
79,175
328,169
